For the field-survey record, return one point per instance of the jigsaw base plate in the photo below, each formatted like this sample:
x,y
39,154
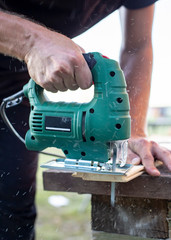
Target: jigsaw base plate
x,y
83,166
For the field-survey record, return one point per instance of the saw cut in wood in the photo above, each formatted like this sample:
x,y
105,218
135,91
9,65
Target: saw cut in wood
x,y
131,174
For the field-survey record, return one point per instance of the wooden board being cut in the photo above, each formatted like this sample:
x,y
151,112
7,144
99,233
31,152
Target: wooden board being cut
x,y
134,172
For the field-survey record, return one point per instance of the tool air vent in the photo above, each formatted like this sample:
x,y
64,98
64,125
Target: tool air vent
x,y
37,122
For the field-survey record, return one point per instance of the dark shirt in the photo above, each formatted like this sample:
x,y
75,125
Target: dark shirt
x,y
69,17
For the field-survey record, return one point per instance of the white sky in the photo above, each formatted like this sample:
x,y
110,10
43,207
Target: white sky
x,y
105,37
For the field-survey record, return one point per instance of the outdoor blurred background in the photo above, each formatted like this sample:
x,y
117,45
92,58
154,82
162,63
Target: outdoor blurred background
x,y
67,215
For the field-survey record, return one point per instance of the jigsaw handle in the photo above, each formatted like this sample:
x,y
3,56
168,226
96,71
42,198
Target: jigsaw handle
x,y
89,57
103,72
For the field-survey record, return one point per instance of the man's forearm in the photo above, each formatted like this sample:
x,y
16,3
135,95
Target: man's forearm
x,y
53,60
136,62
17,35
137,67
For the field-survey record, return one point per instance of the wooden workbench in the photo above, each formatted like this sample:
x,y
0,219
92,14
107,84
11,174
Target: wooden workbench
x,y
142,208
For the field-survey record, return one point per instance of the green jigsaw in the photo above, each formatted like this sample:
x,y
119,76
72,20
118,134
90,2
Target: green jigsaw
x,y
93,135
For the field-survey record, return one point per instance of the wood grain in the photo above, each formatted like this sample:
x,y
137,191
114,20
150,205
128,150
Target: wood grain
x,y
143,217
144,186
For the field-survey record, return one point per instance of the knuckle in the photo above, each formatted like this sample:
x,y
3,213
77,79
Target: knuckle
x,y
56,81
165,153
54,78
138,144
85,85
143,141
48,86
61,68
75,58
147,157
154,144
45,85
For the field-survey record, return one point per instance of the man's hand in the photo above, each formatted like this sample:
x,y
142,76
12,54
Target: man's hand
x,y
55,62
146,152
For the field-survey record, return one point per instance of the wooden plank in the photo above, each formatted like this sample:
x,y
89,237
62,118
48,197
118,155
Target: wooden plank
x,y
144,186
169,218
106,178
133,172
63,181
98,235
139,217
142,209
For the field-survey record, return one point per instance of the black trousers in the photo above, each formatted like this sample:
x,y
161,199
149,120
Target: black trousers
x,y
17,180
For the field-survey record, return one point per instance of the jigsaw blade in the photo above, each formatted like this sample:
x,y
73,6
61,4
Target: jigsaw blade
x,y
118,157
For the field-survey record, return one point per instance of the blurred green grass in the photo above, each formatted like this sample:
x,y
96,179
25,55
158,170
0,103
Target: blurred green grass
x,y
69,222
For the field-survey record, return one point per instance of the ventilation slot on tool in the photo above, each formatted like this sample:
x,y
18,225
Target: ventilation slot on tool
x,y
37,122
83,126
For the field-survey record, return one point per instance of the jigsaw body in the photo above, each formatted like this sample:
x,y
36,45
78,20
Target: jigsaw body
x,y
82,130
